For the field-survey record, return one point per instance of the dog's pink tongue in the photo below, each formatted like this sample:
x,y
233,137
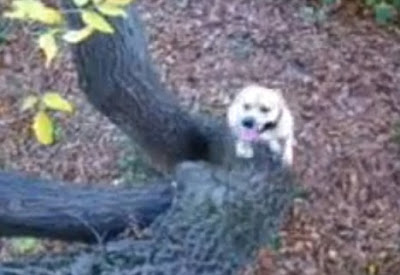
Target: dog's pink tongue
x,y
249,135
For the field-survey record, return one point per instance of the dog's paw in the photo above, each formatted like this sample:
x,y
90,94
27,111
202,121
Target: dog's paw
x,y
244,150
287,159
275,147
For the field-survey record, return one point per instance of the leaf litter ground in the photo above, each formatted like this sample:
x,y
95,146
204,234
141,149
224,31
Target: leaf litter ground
x,y
341,78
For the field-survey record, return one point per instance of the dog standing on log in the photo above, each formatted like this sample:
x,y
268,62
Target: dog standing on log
x,y
261,115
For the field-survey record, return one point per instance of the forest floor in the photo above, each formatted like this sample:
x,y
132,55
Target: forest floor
x,y
340,75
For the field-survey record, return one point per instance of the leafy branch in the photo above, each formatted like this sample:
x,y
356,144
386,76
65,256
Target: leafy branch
x,y
93,14
42,123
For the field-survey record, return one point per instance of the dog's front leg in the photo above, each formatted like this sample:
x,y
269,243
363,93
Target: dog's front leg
x,y
288,151
244,149
275,147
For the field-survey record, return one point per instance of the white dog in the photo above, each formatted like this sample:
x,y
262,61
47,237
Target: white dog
x,y
261,115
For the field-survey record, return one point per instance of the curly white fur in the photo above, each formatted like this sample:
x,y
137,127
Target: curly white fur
x,y
259,114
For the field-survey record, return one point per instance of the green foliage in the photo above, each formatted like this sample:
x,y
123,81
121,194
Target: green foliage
x,y
23,246
3,37
45,129
275,243
5,27
57,131
93,13
300,192
396,133
54,30
384,11
313,15
329,2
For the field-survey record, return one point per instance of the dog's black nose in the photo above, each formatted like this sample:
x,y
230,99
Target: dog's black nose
x,y
248,122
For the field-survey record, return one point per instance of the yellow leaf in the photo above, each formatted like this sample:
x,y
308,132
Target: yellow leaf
x,y
96,21
119,2
43,128
111,10
31,7
48,16
34,10
372,269
29,102
76,36
49,46
56,102
15,14
21,9
81,3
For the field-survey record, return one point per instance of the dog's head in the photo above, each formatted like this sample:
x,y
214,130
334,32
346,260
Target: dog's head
x,y
254,111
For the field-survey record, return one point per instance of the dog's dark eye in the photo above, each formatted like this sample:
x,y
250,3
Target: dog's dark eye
x,y
246,106
264,109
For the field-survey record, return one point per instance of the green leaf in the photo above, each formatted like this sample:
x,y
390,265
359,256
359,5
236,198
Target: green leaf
x,y
58,131
112,10
275,242
370,2
119,2
76,36
43,128
329,2
81,3
56,102
47,43
96,21
3,36
383,13
29,102
308,13
396,3
24,245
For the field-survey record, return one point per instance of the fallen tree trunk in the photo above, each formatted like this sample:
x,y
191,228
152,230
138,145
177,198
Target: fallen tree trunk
x,y
69,212
216,225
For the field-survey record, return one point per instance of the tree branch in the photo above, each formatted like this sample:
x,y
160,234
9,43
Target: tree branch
x,y
68,212
216,225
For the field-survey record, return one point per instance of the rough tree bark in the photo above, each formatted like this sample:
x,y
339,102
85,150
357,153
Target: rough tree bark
x,y
117,75
79,213
216,225
222,210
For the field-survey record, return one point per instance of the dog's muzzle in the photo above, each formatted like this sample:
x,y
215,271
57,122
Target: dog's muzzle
x,y
248,123
248,129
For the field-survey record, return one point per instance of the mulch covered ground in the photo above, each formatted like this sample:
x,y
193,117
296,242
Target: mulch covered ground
x,y
341,77
85,151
